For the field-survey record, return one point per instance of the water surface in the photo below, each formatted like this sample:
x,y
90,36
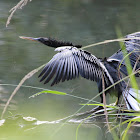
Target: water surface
x,y
81,22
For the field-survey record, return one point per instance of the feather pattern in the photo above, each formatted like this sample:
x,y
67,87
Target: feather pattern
x,y
69,62
132,99
132,44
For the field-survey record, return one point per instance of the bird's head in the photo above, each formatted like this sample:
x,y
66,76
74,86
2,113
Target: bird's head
x,y
50,42
39,39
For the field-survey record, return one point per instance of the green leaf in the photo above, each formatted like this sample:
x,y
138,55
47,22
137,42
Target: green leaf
x,y
48,91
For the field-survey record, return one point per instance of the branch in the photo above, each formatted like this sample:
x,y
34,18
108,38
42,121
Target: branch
x,y
18,6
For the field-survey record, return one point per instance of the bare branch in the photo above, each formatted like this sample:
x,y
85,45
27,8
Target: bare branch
x,y
18,6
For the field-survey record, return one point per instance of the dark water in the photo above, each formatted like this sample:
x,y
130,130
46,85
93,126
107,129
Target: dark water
x,y
81,22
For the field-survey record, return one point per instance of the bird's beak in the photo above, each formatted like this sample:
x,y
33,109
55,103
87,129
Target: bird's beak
x,y
29,38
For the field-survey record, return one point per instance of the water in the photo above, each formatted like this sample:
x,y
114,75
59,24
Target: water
x,y
81,22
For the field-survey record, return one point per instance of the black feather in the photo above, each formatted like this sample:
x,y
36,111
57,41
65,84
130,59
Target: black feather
x,y
55,43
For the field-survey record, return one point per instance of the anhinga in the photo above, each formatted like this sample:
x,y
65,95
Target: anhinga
x,y
70,62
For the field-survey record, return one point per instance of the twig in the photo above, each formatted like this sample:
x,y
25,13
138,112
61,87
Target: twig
x,y
18,6
110,41
104,102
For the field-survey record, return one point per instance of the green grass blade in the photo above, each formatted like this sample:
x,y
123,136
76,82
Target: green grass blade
x,y
124,137
110,106
127,61
48,91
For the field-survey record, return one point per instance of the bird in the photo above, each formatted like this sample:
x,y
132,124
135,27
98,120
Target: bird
x,y
132,44
72,61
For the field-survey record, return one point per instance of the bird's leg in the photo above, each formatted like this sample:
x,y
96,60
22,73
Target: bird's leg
x,y
116,102
101,96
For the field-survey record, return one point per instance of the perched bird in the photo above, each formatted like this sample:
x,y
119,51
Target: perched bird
x,y
70,62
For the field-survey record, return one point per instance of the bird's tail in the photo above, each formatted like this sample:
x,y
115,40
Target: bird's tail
x,y
132,99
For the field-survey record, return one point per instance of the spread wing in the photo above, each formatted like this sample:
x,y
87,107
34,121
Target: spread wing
x,y
132,44
71,62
